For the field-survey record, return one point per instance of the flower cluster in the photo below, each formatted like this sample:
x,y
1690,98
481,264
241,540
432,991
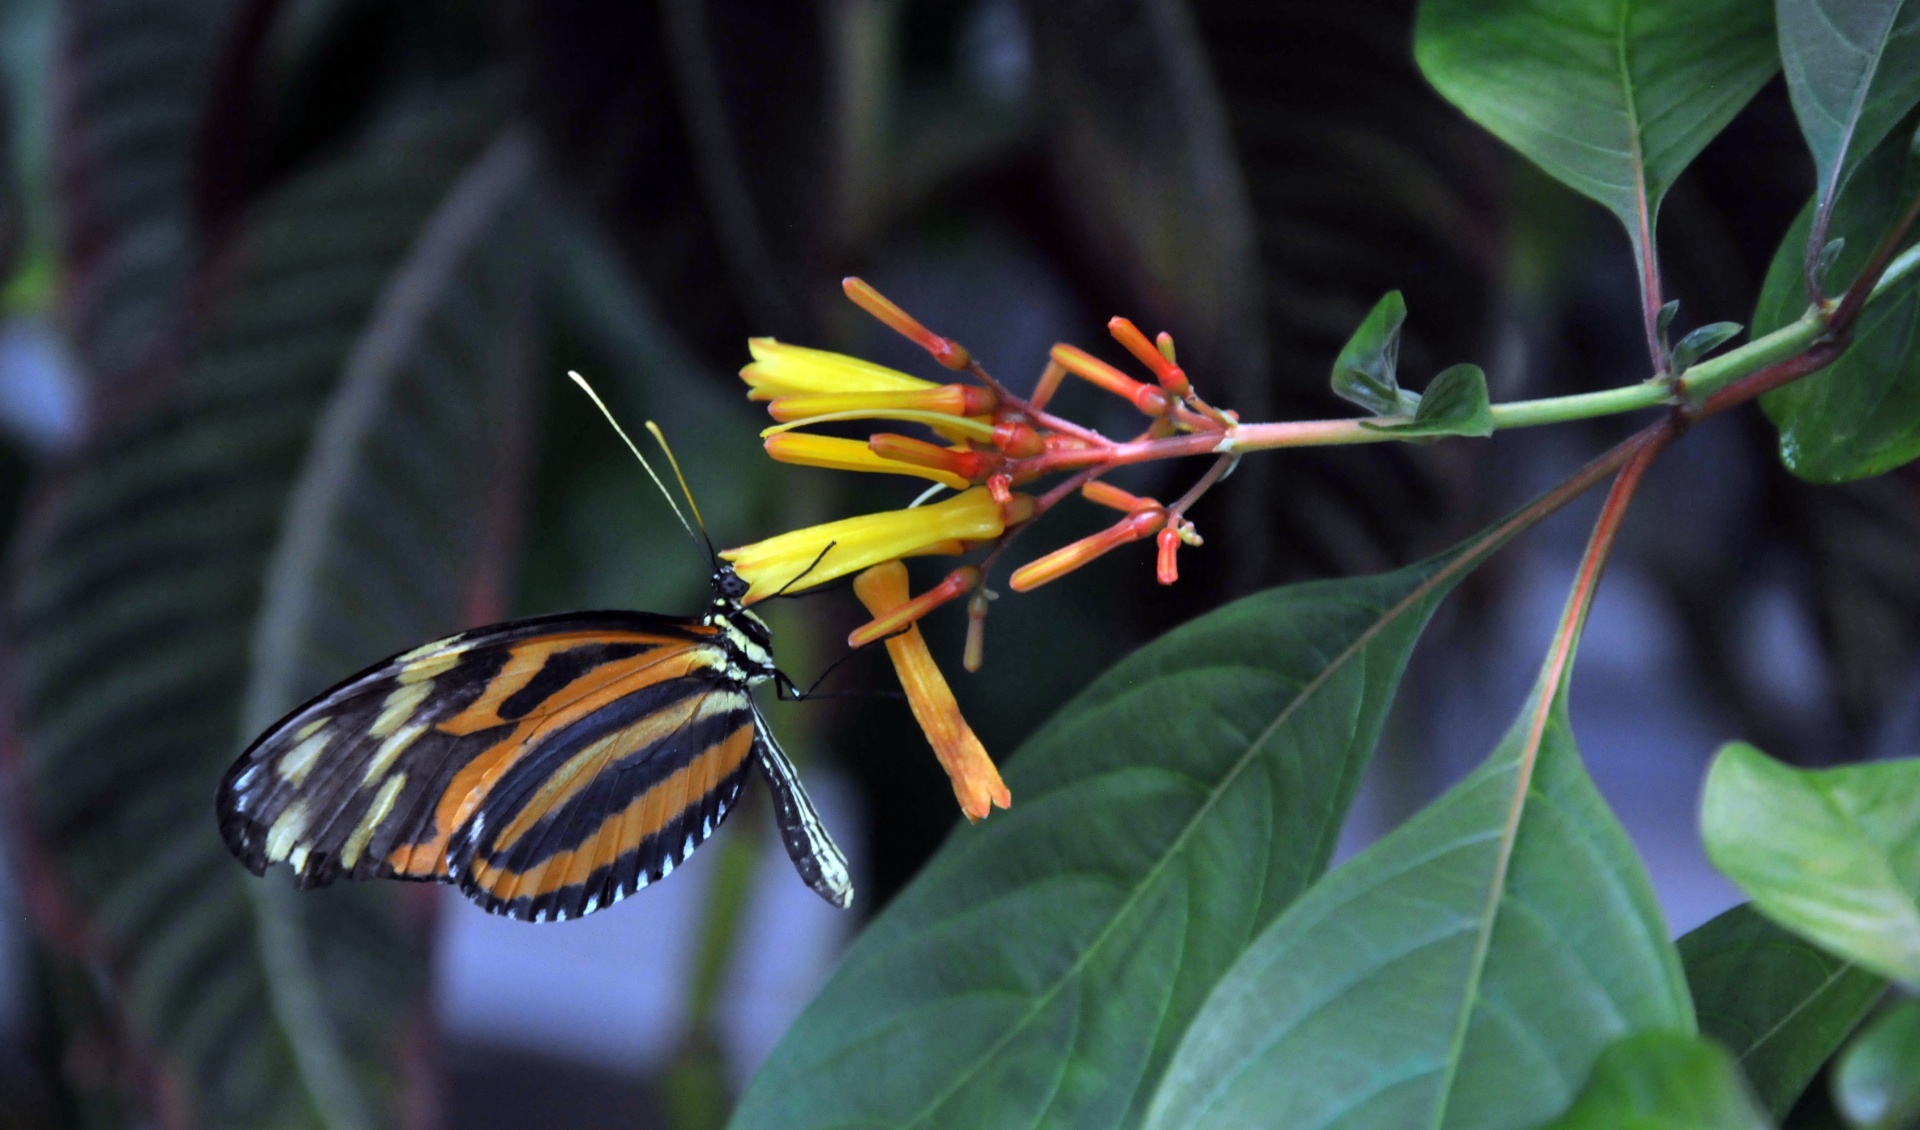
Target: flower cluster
x,y
983,443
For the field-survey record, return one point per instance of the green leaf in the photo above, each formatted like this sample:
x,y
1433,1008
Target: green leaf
x,y
1465,971
1853,70
1663,1081
1364,373
1833,854
1701,342
1041,967
1611,97
1455,404
1860,416
1877,1086
321,485
133,76
1782,1005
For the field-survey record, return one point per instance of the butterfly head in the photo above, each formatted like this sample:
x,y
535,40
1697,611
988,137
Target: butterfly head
x,y
746,632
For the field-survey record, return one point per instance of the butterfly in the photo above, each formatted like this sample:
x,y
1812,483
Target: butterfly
x,y
548,767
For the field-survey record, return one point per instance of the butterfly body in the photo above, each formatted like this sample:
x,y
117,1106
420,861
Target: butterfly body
x,y
548,767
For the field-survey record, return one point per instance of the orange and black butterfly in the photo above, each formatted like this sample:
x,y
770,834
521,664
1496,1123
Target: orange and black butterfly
x,y
549,767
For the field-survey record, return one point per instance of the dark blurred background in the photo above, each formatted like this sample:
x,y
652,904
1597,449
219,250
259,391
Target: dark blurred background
x,y
290,288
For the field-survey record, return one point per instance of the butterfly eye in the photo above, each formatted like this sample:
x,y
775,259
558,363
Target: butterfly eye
x,y
729,584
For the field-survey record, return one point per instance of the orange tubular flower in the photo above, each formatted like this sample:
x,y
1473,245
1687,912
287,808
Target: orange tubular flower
x,y
1171,376
1137,525
976,782
803,558
1148,399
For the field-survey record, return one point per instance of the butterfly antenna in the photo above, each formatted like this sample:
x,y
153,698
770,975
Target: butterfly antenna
x,y
651,473
660,438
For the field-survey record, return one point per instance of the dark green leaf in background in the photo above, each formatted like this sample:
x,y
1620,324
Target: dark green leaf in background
x,y
325,485
1041,968
1366,371
1859,416
1853,70
1833,854
1455,404
1613,98
1664,1081
1877,1086
133,76
1466,971
1780,1004
1138,139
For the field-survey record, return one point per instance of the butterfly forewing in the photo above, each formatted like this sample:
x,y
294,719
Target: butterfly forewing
x,y
549,766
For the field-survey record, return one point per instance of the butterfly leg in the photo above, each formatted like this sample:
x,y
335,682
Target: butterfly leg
x,y
814,854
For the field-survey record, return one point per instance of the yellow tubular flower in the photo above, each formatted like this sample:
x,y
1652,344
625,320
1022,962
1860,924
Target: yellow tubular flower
x,y
801,559
848,455
779,369
976,782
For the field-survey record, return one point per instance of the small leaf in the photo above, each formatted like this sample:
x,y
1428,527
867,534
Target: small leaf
x,y
1701,342
1364,373
1860,416
1611,97
1853,70
1877,1085
1782,1005
1663,1081
1833,854
1829,255
1465,971
1664,321
1042,967
1455,404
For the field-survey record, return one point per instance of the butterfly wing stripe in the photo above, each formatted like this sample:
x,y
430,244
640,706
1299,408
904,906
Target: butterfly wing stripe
x,y
653,829
468,787
321,779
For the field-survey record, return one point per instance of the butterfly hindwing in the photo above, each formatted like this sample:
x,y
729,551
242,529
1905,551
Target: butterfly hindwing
x,y
388,773
612,802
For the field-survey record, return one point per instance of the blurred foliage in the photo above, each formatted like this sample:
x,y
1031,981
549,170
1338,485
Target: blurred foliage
x,y
319,264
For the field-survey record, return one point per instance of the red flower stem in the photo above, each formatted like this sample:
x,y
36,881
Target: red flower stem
x,y
1841,321
1035,415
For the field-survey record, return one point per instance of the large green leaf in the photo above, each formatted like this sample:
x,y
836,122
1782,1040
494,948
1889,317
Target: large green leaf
x,y
1859,416
322,486
1663,1081
1041,968
1464,972
134,79
1611,97
1877,1085
1853,70
1782,1005
1833,855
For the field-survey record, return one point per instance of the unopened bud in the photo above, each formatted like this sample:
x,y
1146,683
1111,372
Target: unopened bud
x,y
949,353
1067,558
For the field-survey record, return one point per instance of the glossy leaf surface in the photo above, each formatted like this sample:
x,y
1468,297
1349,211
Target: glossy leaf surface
x,y
1613,98
1833,854
1780,1004
1366,372
1042,966
1853,70
1877,1085
1455,404
1664,1081
1465,971
1860,416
